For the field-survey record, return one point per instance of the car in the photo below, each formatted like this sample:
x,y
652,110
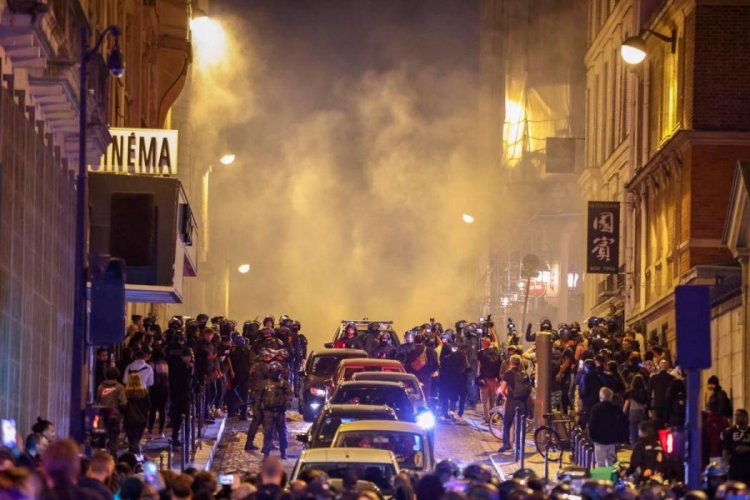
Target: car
x,y
321,432
376,466
410,382
411,444
316,376
348,367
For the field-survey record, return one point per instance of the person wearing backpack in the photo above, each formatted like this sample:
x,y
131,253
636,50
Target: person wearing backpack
x,y
515,388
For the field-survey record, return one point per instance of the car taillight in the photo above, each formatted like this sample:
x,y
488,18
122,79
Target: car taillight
x,y
317,392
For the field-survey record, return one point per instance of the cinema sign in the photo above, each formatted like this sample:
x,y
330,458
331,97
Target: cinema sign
x,y
141,151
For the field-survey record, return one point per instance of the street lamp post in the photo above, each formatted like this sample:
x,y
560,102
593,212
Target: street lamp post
x,y
116,68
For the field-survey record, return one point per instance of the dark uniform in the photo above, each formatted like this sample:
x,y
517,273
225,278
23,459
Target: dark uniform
x,y
258,378
736,441
517,393
275,399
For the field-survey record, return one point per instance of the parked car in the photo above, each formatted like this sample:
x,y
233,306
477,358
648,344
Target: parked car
x,y
411,444
316,378
378,467
348,367
410,382
321,432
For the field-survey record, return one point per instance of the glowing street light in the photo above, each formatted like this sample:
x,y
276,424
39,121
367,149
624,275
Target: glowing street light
x,y
467,218
633,49
209,40
244,268
227,159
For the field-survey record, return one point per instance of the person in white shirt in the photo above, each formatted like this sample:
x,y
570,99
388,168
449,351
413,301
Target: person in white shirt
x,y
142,368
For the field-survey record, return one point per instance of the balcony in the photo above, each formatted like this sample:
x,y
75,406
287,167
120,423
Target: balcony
x,y
612,286
43,38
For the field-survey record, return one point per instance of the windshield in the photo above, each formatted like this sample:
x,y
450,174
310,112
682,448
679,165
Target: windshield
x,y
378,474
330,425
408,447
325,366
396,399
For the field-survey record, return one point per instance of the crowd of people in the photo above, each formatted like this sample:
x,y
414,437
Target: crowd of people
x,y
622,388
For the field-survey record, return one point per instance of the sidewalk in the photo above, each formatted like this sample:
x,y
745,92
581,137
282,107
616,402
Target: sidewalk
x,y
158,449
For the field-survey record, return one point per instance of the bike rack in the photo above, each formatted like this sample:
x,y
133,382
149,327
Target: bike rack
x,y
520,432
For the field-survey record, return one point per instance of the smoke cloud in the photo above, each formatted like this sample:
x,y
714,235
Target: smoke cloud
x,y
355,127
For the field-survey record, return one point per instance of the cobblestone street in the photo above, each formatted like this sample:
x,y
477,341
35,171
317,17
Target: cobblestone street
x,y
464,441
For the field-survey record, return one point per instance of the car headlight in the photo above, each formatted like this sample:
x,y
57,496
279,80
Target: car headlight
x,y
426,420
317,392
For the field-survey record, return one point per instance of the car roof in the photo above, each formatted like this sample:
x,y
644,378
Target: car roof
x,y
371,383
382,426
349,409
386,376
371,362
352,353
368,455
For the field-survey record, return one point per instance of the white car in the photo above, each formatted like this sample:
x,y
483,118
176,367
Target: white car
x,y
378,467
410,443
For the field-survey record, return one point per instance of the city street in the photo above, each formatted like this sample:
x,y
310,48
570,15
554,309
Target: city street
x,y
464,442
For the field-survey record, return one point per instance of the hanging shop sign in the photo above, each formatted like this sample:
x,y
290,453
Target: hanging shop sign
x,y
603,243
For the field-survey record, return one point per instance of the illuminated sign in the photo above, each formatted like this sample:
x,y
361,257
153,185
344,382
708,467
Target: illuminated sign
x,y
141,151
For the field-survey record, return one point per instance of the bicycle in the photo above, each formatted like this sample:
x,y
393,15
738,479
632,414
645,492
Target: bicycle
x,y
495,423
554,437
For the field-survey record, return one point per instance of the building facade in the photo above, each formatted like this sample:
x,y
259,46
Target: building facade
x,y
663,138
39,113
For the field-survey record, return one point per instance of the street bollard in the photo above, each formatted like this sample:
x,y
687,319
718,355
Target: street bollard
x,y
516,434
170,450
522,440
186,441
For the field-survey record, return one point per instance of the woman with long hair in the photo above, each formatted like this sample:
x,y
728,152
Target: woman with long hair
x,y
136,415
159,391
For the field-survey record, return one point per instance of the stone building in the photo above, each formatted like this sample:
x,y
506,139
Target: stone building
x,y
39,113
663,138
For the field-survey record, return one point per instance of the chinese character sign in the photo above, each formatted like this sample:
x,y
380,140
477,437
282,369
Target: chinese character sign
x,y
603,245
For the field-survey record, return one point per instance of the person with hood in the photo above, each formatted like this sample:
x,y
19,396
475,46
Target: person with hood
x,y
142,368
111,394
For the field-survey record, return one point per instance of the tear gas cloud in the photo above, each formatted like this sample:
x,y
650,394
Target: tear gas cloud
x,y
354,126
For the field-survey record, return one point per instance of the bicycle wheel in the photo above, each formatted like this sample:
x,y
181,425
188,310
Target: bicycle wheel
x,y
547,442
496,423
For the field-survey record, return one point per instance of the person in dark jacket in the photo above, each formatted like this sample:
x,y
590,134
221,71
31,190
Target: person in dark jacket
x,y
454,373
657,388
136,414
648,457
98,475
422,362
159,391
636,406
181,365
604,428
488,375
719,397
239,356
588,389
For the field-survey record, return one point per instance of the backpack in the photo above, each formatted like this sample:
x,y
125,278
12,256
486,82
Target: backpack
x,y
274,397
521,386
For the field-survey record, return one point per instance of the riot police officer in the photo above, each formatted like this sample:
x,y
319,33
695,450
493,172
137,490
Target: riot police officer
x,y
275,400
258,376
384,348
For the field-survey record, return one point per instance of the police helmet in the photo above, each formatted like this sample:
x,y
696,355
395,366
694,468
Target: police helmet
x,y
385,337
447,468
175,323
546,325
478,472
